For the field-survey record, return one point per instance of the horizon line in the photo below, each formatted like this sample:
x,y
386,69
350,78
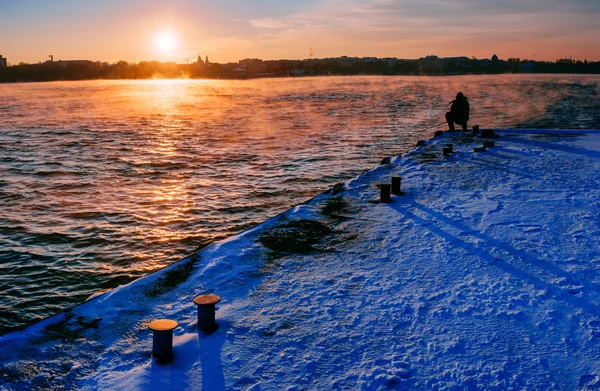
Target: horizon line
x,y
432,56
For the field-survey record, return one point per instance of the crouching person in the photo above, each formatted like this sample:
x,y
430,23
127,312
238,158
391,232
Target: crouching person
x,y
459,112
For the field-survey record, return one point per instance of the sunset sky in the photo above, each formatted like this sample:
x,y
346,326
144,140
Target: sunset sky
x,y
230,30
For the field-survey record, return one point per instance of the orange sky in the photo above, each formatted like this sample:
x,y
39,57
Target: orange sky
x,y
230,30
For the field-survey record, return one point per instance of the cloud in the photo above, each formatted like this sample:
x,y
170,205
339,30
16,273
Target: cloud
x,y
396,25
270,23
547,29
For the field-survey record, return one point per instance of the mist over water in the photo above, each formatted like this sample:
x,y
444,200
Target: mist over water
x,y
104,181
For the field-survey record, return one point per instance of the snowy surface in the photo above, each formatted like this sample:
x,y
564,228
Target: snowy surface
x,y
483,275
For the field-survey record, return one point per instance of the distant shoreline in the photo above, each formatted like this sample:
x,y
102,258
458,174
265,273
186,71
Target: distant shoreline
x,y
73,70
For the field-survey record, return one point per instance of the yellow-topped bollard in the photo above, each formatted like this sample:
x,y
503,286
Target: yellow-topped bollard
x,y
396,183
385,192
206,312
162,341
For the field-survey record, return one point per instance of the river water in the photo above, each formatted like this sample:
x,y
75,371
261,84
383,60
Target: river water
x,y
102,182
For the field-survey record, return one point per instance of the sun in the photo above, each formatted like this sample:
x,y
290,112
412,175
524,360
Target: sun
x,y
165,42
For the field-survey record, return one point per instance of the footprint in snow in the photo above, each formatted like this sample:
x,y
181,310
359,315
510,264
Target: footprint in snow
x,y
574,290
586,380
595,326
403,373
498,209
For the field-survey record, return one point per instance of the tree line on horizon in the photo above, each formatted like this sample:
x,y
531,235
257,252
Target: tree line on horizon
x,y
251,68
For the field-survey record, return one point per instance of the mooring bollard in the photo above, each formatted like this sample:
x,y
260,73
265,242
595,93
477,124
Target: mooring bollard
x,y
162,340
206,312
446,151
489,144
385,193
479,149
438,133
396,182
475,130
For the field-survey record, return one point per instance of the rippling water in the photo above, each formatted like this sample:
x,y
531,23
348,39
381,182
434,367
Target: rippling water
x,y
104,181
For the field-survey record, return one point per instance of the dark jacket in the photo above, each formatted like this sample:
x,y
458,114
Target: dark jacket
x,y
460,110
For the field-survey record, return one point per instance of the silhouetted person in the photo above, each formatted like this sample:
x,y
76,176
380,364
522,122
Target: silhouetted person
x,y
459,112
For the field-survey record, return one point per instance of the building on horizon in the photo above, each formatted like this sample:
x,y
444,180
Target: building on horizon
x,y
3,62
65,63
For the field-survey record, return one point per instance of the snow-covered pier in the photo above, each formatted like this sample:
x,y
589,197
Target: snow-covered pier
x,y
483,274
